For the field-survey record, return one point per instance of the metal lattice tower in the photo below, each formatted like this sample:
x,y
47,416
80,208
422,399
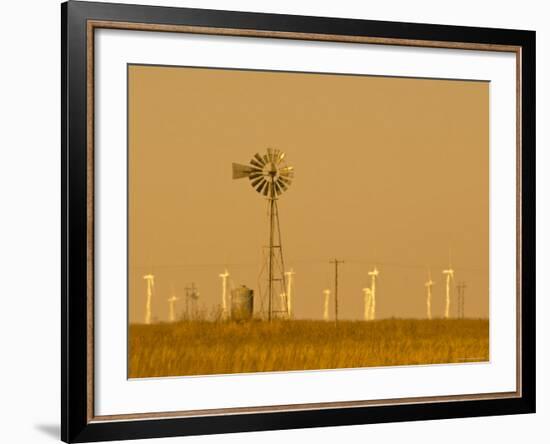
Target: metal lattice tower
x,y
270,176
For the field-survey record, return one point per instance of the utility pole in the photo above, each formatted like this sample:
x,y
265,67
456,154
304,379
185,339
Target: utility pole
x,y
336,262
461,288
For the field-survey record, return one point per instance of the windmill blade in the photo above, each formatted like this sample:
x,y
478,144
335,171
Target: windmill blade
x,y
255,174
287,171
267,189
278,156
287,181
255,182
263,182
259,159
240,171
277,188
281,184
256,163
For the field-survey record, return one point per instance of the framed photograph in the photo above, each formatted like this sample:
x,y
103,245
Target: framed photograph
x,y
275,221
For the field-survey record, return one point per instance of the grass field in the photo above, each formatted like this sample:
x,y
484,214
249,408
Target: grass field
x,y
204,348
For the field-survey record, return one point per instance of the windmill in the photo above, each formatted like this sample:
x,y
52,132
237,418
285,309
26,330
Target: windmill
x,y
429,284
224,277
374,275
290,308
326,292
270,176
150,285
449,275
367,299
172,302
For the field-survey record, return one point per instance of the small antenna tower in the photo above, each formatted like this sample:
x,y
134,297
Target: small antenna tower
x,y
191,299
461,288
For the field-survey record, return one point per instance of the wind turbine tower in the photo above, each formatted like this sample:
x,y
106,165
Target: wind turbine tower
x,y
172,301
374,275
326,293
289,278
368,302
449,275
429,284
224,277
150,285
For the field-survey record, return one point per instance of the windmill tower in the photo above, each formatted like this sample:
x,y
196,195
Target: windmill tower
x,y
374,275
289,278
429,284
172,307
449,275
326,293
150,285
225,311
270,176
367,300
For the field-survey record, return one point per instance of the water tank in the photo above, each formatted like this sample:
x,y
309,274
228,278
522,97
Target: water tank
x,y
242,303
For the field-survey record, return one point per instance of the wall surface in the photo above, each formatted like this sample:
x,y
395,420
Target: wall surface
x,y
30,208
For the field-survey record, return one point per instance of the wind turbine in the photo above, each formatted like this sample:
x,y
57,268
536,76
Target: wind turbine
x,y
290,308
326,292
429,284
368,302
449,274
374,275
150,284
224,277
172,301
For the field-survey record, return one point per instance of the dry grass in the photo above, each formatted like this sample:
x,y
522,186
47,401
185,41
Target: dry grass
x,y
204,348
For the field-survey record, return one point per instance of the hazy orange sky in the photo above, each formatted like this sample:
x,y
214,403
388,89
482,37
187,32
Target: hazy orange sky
x,y
392,172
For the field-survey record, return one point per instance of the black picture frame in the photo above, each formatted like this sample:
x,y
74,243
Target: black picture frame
x,y
76,326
